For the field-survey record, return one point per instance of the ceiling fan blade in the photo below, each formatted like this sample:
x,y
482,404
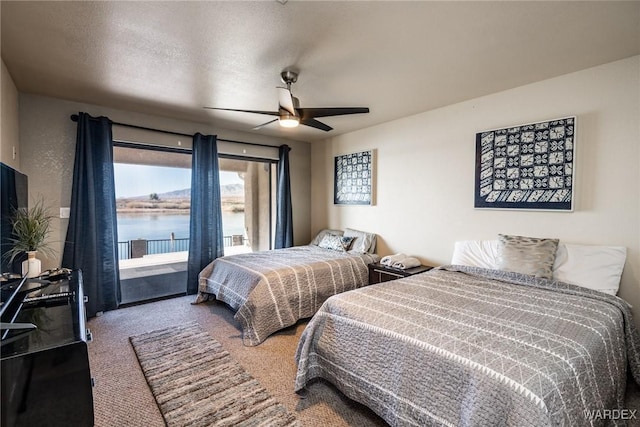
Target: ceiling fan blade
x,y
270,113
315,124
326,112
264,124
286,100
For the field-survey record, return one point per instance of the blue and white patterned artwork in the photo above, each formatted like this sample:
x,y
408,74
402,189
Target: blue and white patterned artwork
x,y
526,167
353,179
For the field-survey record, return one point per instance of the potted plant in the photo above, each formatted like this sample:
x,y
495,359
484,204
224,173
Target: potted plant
x,y
31,228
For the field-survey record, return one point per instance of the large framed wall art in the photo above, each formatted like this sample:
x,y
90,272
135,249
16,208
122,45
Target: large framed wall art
x,y
526,167
353,178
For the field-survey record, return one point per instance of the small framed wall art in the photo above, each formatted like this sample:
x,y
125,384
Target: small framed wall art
x,y
353,178
526,167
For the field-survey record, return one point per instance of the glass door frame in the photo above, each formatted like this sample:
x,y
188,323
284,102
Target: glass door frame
x,y
271,163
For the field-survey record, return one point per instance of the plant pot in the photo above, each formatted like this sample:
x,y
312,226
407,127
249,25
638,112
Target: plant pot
x,y
31,267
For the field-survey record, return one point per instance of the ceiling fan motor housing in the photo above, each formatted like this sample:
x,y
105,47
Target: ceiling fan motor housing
x,y
288,76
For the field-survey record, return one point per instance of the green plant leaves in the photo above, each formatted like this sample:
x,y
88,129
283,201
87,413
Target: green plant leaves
x,y
31,228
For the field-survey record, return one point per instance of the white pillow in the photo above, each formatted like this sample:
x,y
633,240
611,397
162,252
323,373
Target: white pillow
x,y
593,267
364,242
476,253
316,240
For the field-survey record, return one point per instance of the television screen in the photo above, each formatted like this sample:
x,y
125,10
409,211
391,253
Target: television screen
x,y
14,195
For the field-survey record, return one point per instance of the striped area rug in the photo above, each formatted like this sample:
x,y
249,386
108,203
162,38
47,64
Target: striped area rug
x,y
196,382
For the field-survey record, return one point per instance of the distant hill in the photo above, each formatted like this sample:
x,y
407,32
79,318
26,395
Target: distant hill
x,y
176,194
228,190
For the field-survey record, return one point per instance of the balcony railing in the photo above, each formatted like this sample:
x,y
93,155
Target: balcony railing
x,y
141,247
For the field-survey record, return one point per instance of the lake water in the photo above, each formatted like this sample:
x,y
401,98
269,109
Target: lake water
x,y
160,226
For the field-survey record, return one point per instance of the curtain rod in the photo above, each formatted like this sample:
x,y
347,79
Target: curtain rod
x,y
74,118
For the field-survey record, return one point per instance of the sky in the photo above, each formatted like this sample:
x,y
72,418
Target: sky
x,y
141,180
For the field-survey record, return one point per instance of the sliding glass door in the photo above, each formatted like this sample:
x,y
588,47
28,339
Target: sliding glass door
x,y
153,190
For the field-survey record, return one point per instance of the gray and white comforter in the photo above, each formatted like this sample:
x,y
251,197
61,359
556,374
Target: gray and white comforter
x,y
468,346
271,290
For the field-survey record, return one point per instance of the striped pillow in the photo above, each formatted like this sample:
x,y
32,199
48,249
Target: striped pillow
x,y
527,255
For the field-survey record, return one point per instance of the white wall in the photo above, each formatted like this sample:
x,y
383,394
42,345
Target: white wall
x,y
426,169
48,136
9,135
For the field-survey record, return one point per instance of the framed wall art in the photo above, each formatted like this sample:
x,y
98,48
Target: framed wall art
x,y
353,178
526,167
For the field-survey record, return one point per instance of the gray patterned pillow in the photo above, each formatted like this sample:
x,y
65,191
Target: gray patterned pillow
x,y
316,240
336,243
527,255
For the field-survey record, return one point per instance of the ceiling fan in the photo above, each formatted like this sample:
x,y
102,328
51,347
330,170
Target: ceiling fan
x,y
290,114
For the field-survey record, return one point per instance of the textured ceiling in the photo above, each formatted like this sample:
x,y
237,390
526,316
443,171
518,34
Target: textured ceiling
x,y
397,58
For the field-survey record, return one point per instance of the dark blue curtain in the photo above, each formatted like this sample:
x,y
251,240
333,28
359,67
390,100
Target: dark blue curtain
x,y
284,217
206,241
92,242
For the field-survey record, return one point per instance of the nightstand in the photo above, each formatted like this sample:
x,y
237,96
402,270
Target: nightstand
x,y
379,273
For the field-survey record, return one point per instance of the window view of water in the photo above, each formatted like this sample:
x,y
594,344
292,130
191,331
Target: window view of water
x,y
153,204
133,226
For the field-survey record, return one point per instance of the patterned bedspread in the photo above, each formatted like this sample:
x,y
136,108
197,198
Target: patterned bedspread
x,y
271,290
469,346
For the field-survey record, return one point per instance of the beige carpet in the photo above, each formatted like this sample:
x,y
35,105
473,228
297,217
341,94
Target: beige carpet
x,y
123,398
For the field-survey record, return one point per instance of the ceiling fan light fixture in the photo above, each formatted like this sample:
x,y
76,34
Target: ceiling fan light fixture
x,y
289,121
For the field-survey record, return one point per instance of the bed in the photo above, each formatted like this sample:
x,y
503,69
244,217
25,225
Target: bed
x,y
271,290
468,345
